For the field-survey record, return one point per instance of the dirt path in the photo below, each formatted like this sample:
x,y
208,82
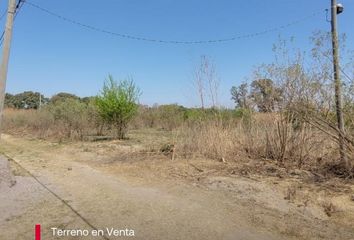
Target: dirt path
x,y
160,210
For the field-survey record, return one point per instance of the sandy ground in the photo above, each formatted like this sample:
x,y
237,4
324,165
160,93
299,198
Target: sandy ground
x,y
110,185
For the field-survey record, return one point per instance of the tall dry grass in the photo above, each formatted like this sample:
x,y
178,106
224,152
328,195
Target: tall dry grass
x,y
271,136
23,122
263,136
45,124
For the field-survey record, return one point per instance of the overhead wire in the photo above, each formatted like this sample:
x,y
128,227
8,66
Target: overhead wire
x,y
346,75
146,39
17,10
93,28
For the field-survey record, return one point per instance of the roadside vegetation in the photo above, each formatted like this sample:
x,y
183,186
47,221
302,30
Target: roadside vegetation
x,y
285,115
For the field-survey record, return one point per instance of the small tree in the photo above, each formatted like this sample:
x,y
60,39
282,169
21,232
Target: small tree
x,y
25,100
265,94
117,104
240,95
207,81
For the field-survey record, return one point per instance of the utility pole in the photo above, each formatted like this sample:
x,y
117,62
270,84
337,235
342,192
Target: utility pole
x,y
336,9
6,54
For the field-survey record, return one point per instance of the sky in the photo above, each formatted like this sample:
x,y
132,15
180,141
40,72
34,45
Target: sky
x,y
50,55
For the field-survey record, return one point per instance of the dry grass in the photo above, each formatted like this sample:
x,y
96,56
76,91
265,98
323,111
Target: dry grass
x,y
210,139
264,137
42,124
23,122
259,137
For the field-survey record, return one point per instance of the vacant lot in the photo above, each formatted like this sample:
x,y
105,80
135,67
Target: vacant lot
x,y
131,184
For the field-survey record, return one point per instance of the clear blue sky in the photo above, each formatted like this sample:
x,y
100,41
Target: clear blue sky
x,y
50,55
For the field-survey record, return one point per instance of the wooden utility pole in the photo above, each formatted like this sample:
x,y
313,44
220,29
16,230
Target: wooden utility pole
x,y
337,82
6,54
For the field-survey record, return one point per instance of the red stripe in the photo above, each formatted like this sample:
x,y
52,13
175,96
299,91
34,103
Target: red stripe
x,y
38,232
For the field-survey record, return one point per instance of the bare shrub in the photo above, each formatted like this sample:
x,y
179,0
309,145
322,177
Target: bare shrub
x,y
207,82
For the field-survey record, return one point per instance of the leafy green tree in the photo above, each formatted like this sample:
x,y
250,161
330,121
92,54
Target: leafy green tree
x,y
25,100
265,94
240,95
62,97
117,104
9,100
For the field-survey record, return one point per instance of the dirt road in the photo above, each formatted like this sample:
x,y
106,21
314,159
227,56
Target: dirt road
x,y
107,196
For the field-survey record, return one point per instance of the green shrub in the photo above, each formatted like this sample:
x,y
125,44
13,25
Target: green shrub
x,y
117,104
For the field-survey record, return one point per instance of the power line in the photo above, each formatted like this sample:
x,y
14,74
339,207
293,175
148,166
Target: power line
x,y
2,37
21,3
132,37
1,17
17,10
345,74
340,68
